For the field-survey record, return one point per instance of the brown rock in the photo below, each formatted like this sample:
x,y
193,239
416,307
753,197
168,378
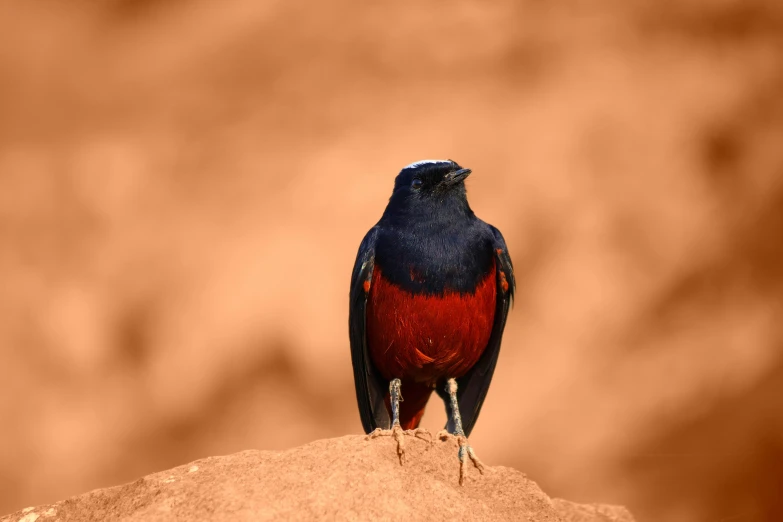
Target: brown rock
x,y
348,478
572,512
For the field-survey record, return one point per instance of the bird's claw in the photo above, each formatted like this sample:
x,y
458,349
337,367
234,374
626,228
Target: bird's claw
x,y
464,448
465,452
398,434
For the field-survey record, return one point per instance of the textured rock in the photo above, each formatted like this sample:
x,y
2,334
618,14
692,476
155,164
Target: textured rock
x,y
348,478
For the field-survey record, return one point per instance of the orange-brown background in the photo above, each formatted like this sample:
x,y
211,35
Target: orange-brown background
x,y
183,186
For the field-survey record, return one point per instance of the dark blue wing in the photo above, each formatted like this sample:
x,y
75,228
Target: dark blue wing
x,y
473,386
370,386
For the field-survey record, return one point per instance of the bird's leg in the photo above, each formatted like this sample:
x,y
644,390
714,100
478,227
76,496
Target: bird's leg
x,y
464,448
396,431
395,398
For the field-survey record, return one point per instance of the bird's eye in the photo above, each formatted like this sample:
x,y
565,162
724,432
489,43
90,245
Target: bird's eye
x,y
417,183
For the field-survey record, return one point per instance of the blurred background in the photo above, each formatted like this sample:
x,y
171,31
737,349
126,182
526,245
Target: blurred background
x,y
184,186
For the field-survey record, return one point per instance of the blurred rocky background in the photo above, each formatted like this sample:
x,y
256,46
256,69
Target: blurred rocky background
x,y
184,185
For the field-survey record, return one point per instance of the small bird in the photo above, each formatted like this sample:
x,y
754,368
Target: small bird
x,y
430,292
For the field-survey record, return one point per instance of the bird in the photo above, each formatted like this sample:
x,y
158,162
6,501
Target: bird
x,y
430,293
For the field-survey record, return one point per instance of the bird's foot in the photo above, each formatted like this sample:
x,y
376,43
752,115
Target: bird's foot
x,y
465,451
398,434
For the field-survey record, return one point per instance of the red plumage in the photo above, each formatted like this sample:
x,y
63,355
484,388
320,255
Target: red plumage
x,y
422,338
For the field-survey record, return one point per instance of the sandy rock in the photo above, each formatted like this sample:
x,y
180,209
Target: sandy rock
x,y
347,478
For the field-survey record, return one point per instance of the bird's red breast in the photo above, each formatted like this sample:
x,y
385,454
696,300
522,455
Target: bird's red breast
x,y
424,338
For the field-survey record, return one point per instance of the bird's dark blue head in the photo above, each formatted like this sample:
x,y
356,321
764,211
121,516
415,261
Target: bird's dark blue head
x,y
429,189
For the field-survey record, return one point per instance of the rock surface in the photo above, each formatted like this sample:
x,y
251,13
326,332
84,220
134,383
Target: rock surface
x,y
347,478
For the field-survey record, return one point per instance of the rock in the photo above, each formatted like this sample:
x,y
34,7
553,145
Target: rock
x,y
347,478
572,512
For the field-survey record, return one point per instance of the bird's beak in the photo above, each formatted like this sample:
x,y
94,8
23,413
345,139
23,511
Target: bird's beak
x,y
452,178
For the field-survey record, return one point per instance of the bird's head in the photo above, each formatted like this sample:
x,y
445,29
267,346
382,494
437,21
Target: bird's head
x,y
430,186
